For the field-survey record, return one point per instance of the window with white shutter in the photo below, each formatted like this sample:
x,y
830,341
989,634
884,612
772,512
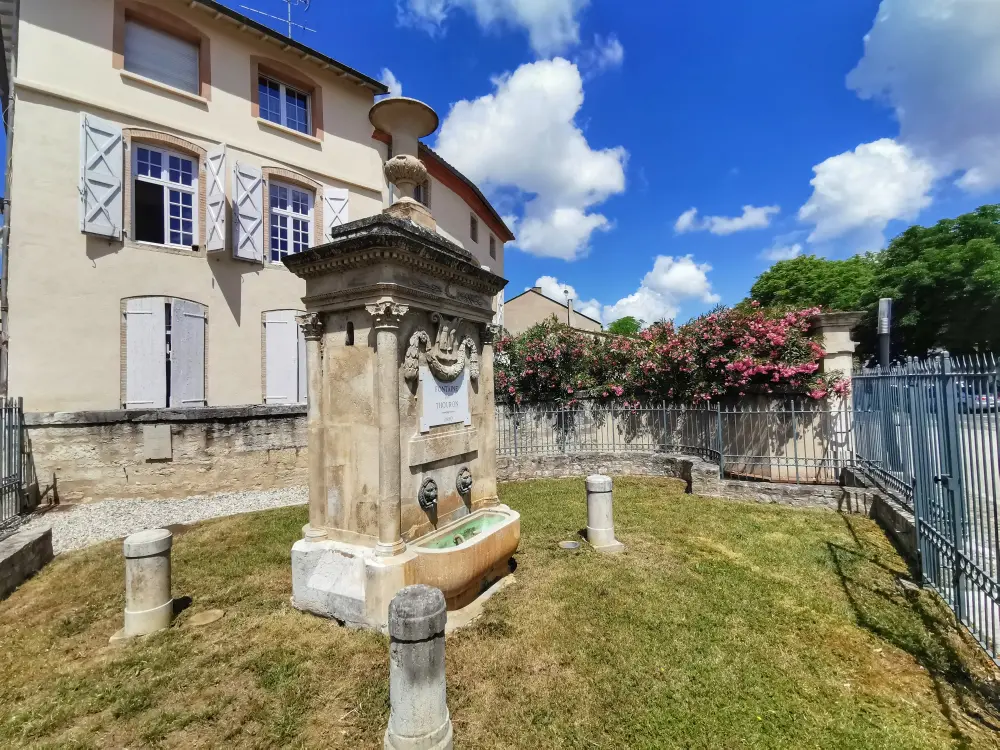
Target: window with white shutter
x,y
163,57
215,192
101,175
248,213
145,353
284,358
291,215
164,197
164,353
335,209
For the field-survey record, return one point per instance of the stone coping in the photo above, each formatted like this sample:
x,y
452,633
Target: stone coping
x,y
151,416
386,232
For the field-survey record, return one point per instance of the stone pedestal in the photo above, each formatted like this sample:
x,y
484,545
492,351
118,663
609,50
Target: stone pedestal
x,y
149,605
418,718
600,516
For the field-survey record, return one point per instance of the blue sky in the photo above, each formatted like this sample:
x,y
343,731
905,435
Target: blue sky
x,y
596,125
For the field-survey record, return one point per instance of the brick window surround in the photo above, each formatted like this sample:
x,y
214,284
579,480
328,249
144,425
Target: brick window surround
x,y
157,18
135,136
280,174
279,71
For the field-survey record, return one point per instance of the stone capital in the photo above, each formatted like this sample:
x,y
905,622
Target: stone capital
x,y
387,314
491,334
312,326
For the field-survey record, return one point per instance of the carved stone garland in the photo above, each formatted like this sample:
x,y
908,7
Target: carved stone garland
x,y
444,358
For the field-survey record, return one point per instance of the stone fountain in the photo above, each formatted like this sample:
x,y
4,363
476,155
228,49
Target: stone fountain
x,y
401,421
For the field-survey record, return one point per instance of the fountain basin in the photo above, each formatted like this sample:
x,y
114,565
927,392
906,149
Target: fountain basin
x,y
466,556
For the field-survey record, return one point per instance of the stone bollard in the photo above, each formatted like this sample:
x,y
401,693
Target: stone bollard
x,y
148,604
600,521
418,718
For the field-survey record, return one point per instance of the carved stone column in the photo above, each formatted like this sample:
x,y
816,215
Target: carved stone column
x,y
388,315
313,329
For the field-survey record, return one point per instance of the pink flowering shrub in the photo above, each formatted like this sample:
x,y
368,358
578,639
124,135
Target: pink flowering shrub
x,y
728,353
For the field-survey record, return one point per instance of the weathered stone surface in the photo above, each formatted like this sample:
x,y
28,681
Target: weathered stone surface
x,y
86,456
418,718
22,555
148,601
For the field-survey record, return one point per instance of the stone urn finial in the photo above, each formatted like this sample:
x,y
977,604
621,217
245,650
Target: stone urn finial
x,y
406,121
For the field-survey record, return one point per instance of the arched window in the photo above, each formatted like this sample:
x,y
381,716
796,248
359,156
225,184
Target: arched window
x,y
163,353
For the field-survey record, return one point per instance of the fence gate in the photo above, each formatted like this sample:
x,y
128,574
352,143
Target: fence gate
x,y
13,487
930,431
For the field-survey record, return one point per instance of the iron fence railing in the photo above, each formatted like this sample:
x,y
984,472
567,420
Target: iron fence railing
x,y
15,466
930,431
765,439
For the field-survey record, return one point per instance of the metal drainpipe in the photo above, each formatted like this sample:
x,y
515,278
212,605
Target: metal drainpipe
x,y
5,235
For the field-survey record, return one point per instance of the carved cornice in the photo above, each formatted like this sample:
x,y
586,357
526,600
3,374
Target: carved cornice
x,y
388,314
312,326
348,298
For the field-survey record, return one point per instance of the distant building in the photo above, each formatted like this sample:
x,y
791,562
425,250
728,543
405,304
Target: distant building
x,y
532,307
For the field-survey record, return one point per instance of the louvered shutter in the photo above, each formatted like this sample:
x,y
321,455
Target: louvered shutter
x,y
145,353
248,213
187,354
282,356
335,213
163,57
102,164
215,187
301,366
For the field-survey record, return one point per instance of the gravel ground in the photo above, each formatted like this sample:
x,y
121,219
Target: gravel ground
x,y
83,525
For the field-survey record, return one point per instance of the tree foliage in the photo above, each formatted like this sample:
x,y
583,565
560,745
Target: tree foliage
x,y
627,326
944,281
810,281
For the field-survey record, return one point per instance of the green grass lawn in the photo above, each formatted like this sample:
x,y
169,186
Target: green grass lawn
x,y
724,625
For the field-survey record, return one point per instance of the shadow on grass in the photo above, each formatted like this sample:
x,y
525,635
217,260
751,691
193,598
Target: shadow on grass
x,y
916,622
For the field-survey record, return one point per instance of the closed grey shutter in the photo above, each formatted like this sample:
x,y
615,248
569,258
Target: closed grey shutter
x,y
248,213
282,356
335,211
498,314
145,353
215,192
301,364
102,163
163,57
187,354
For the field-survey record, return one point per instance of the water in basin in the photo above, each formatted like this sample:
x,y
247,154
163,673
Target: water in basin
x,y
463,532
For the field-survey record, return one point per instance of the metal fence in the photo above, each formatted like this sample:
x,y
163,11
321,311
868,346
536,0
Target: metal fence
x,y
764,439
15,465
930,430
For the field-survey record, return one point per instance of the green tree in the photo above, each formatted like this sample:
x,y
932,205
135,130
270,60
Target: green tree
x,y
944,281
627,326
810,281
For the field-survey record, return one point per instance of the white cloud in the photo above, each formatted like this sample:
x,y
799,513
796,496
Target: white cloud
x,y
392,83
606,53
782,252
663,290
524,136
753,217
937,64
859,192
553,25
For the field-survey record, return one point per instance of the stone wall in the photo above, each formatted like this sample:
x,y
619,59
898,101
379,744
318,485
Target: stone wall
x,y
84,456
22,555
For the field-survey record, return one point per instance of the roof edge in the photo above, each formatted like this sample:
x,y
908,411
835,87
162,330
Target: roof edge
x,y
377,86
575,311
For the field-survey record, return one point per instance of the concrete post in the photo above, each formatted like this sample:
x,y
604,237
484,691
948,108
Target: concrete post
x,y
148,604
312,330
388,316
418,718
600,520
833,333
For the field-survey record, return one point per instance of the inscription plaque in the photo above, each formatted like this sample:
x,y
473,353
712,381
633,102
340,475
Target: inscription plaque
x,y
443,403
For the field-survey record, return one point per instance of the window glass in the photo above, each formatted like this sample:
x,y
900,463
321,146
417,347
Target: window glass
x,y
291,220
164,190
283,104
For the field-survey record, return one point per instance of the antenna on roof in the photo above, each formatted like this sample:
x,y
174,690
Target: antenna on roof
x,y
288,20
